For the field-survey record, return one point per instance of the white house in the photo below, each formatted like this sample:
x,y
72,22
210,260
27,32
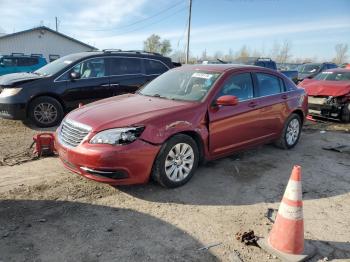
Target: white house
x,y
42,40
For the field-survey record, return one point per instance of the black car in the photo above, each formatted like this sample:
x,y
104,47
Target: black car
x,y
310,70
45,95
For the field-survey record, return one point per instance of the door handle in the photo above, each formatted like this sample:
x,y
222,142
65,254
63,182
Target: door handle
x,y
105,85
252,104
114,84
284,96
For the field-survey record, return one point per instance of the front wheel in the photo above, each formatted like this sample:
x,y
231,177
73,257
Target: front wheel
x,y
45,111
176,161
345,113
291,132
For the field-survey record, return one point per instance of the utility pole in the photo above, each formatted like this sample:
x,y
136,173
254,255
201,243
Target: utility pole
x,y
56,21
188,32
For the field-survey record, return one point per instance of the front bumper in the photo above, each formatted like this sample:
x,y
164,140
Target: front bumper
x,y
13,111
114,165
323,106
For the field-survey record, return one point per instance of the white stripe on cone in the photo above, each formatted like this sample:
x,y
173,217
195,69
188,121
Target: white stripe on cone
x,y
293,190
290,212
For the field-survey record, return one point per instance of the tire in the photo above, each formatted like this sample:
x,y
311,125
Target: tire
x,y
167,169
291,132
345,113
45,111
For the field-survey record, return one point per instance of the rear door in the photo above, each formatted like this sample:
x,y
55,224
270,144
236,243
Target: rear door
x,y
272,99
234,127
92,85
126,74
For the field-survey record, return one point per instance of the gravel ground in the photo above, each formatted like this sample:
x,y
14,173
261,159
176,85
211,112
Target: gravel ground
x,y
49,214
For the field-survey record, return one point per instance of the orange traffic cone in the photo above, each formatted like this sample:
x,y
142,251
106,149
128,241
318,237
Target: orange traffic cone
x,y
286,239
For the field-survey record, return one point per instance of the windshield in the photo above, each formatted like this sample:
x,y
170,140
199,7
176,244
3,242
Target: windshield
x,y
186,85
57,65
333,76
309,68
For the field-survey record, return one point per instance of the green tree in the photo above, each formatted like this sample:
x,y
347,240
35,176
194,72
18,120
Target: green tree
x,y
165,47
154,44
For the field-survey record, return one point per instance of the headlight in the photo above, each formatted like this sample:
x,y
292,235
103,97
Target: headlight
x,y
117,136
10,91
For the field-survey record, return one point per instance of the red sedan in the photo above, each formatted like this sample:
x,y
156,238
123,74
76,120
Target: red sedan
x,y
186,115
329,94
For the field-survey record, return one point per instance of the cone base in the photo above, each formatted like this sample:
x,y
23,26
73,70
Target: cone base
x,y
309,251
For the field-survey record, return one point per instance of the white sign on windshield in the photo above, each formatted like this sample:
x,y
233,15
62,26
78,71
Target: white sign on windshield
x,y
202,75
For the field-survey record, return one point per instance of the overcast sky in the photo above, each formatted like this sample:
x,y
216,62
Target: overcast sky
x,y
313,27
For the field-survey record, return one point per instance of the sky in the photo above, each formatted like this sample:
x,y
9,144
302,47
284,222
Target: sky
x,y
312,27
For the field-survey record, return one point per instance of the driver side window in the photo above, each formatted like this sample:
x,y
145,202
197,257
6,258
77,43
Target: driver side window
x,y
92,68
240,86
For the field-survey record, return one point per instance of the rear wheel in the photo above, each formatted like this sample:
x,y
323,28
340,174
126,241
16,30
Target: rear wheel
x,y
291,132
345,113
45,111
176,161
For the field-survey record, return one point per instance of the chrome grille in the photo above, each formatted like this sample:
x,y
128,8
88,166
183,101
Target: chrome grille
x,y
72,133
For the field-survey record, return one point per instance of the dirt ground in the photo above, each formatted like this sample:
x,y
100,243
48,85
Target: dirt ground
x,y
50,214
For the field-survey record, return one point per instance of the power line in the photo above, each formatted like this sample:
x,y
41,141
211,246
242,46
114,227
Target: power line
x,y
141,20
156,22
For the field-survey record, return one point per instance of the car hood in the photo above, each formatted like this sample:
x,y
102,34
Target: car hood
x,y
325,88
14,79
126,110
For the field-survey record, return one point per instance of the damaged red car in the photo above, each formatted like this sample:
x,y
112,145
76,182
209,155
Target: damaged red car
x,y
187,115
329,94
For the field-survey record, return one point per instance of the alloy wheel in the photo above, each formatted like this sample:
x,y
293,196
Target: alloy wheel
x,y
179,162
293,131
45,113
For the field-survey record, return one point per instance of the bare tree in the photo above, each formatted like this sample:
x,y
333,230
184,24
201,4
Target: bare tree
x,y
284,53
229,56
340,50
204,55
281,53
218,55
243,52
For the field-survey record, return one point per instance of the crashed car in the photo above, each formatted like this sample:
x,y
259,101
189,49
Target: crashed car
x,y
329,94
310,70
187,115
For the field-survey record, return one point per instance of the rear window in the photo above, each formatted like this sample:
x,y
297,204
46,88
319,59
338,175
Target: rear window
x,y
269,84
154,67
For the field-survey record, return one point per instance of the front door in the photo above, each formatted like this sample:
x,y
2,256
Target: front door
x,y
234,127
92,85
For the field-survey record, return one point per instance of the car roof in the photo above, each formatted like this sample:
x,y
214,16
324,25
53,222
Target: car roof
x,y
121,53
220,68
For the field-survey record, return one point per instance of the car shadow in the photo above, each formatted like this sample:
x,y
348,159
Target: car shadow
x,y
257,176
71,231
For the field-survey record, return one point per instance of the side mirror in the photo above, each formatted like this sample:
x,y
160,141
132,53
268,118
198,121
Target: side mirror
x,y
74,75
227,101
